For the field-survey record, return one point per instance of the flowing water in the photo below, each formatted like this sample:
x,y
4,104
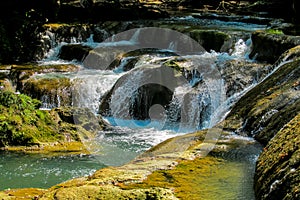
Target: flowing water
x,y
129,138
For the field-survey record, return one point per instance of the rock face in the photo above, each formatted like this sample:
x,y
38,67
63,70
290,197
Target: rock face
x,y
265,109
278,167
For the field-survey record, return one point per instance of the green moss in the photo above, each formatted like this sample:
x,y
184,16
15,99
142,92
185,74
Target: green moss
x,y
274,31
22,123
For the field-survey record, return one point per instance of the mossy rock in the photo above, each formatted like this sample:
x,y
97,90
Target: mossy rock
x,y
20,73
22,123
268,47
164,172
210,39
278,167
266,108
24,127
53,92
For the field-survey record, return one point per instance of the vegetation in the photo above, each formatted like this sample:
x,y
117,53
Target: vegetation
x,y
22,123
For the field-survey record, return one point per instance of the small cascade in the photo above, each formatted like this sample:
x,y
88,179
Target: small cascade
x,y
89,86
49,102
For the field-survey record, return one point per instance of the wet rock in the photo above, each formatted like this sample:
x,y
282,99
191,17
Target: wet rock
x,y
269,47
53,92
238,75
278,167
166,171
28,79
127,61
148,85
210,39
265,109
18,73
82,117
151,88
74,52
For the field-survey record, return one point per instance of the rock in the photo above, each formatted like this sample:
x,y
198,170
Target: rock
x,y
269,47
210,39
166,171
265,109
52,92
150,84
110,192
238,75
278,167
128,60
31,130
82,117
19,73
74,52
151,87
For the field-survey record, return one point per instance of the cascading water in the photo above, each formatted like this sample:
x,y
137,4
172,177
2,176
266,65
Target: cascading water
x,y
197,103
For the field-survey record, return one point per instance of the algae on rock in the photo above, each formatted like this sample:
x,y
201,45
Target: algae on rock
x,y
278,167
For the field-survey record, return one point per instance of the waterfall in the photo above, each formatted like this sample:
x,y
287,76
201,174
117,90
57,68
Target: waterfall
x,y
89,86
198,104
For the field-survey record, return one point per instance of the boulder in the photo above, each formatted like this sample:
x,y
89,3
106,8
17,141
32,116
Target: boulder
x,y
52,92
210,39
268,47
131,98
72,52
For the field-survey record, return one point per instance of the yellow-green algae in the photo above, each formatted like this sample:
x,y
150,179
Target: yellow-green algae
x,y
24,194
202,178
